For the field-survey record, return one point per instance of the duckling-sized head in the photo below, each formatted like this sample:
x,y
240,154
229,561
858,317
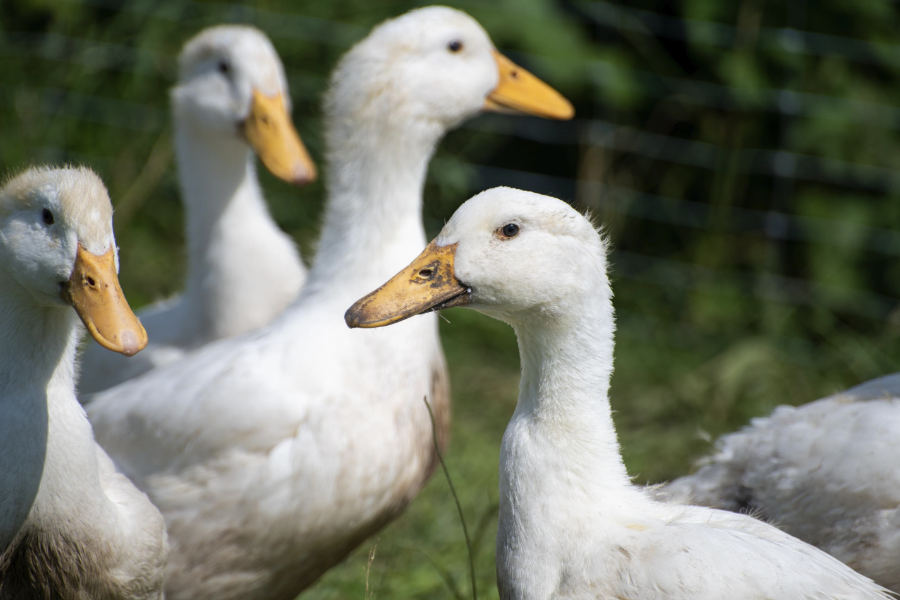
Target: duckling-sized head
x,y
232,84
57,242
511,254
434,66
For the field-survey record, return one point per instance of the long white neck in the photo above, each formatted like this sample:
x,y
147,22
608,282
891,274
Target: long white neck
x,y
561,473
567,360
238,258
373,223
35,341
47,451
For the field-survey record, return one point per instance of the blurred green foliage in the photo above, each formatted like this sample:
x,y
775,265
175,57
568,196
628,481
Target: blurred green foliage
x,y
744,156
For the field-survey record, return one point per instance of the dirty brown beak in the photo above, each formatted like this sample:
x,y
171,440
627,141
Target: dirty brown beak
x,y
94,291
427,284
520,91
272,136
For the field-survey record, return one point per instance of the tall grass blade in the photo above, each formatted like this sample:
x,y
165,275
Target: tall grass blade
x,y
462,517
369,592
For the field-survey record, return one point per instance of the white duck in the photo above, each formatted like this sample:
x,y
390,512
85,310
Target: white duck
x,y
826,472
70,526
274,454
231,102
571,524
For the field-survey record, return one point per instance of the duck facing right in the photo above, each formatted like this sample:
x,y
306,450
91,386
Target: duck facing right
x,y
572,525
273,454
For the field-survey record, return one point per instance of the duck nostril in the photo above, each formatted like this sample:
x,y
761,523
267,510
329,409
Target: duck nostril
x,y
90,281
426,273
514,74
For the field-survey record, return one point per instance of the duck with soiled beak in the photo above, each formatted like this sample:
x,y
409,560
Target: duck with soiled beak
x,y
572,526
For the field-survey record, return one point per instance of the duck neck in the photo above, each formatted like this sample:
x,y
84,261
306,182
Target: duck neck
x,y
223,202
373,222
37,343
47,453
567,362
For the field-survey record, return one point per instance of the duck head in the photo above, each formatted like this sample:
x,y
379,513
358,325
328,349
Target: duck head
x,y
57,242
514,255
434,66
232,83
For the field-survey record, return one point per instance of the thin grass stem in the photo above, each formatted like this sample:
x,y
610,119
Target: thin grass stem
x,y
462,517
369,568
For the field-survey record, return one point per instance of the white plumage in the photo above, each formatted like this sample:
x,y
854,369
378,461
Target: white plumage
x,y
571,524
826,472
70,526
242,269
274,454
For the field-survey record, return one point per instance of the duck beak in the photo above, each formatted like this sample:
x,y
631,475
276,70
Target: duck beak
x,y
94,291
427,284
272,136
520,91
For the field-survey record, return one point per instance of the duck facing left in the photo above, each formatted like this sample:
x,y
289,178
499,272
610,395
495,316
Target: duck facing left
x,y
70,526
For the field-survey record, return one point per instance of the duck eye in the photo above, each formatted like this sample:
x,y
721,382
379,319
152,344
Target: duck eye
x,y
224,69
47,216
509,230
455,46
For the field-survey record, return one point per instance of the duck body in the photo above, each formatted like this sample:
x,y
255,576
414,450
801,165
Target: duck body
x,y
571,524
825,472
259,510
71,527
242,269
272,459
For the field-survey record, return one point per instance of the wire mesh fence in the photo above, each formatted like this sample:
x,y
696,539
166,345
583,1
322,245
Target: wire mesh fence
x,y
743,155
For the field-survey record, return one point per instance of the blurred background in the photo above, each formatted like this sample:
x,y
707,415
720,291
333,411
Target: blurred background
x,y
744,156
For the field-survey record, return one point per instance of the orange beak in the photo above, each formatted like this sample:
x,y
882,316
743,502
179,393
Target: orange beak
x,y
272,136
520,91
427,284
94,291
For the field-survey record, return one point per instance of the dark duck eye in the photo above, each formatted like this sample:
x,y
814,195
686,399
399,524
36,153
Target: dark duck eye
x,y
509,230
455,46
224,69
47,216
